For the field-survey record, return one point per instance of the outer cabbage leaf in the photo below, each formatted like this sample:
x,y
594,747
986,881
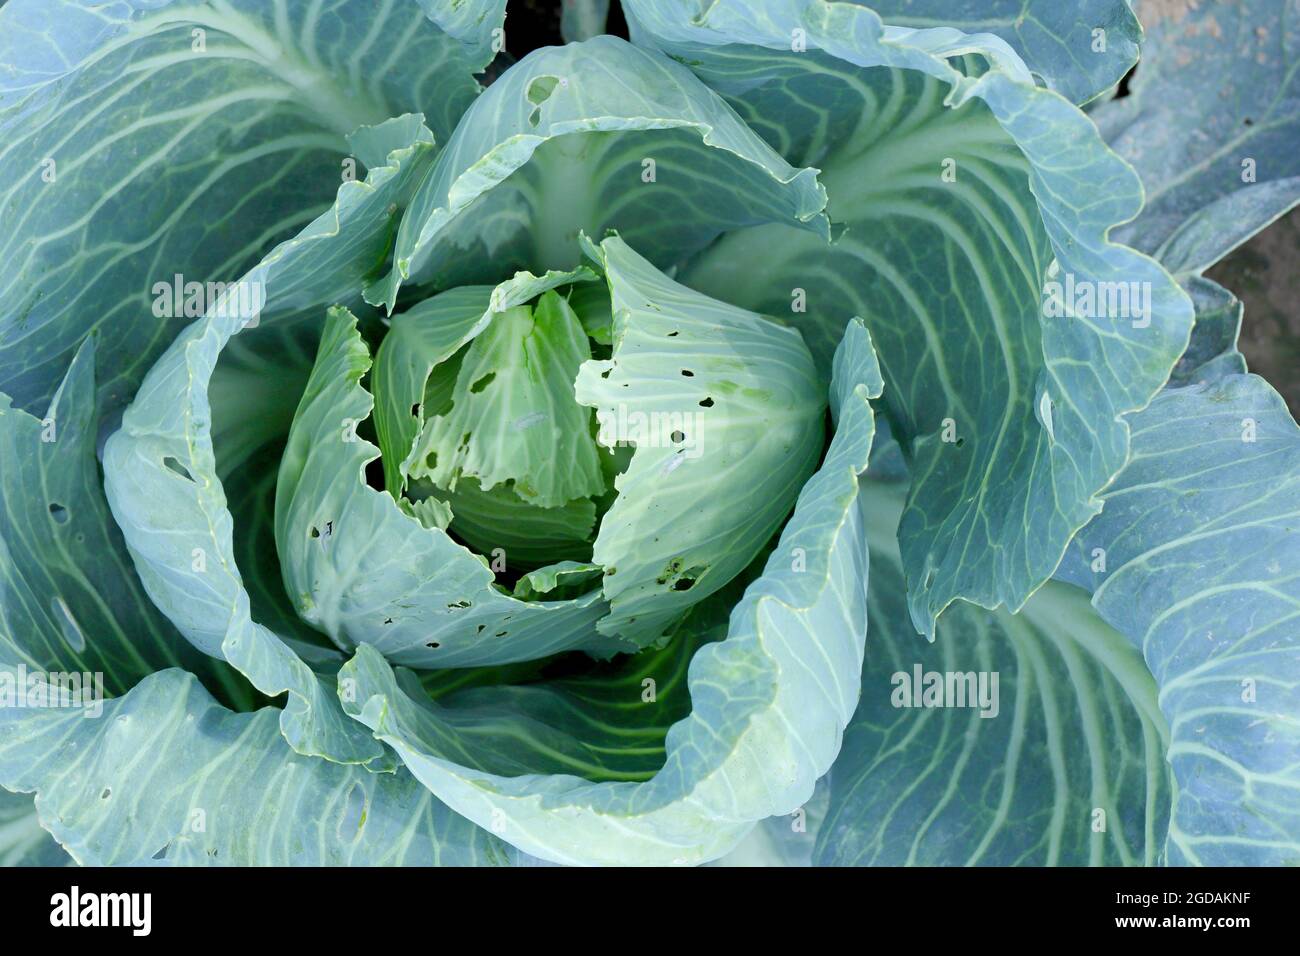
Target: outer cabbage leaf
x,y
768,702
124,787
69,601
149,138
167,775
786,65
590,136
1196,559
962,189
1212,231
583,19
1058,41
1212,351
23,841
161,468
1212,124
786,840
1068,768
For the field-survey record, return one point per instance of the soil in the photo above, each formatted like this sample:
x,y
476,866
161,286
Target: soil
x,y
1265,274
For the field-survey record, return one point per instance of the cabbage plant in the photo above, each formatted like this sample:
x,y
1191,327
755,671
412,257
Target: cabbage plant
x,y
799,433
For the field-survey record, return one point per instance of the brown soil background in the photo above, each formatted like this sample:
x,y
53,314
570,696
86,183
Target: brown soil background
x,y
1265,274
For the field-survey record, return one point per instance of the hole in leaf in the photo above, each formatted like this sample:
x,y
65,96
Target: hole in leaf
x,y
433,645
688,577
706,403
108,792
678,437
688,373
415,410
483,382
171,464
537,93
58,512
540,88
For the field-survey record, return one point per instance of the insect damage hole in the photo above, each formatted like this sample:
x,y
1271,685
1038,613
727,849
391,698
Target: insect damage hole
x,y
171,464
687,579
538,92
